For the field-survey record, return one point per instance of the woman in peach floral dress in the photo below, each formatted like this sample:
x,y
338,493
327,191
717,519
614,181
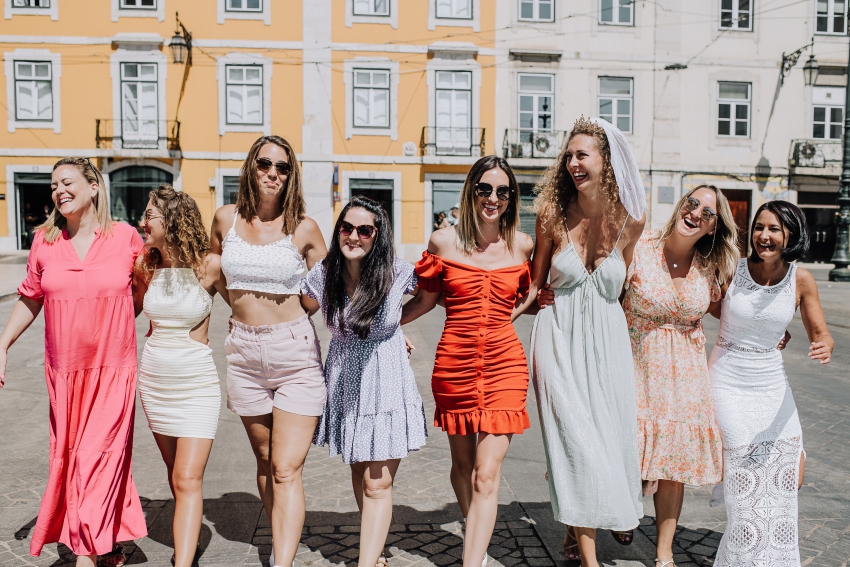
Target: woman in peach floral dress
x,y
676,274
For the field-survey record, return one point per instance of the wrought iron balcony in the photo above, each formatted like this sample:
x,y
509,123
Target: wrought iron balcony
x,y
532,144
137,134
815,154
440,141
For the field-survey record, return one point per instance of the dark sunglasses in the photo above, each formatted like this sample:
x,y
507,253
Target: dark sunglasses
x,y
364,231
693,204
282,167
503,192
93,170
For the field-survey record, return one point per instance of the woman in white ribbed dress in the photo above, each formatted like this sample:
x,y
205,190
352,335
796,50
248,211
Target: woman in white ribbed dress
x,y
178,381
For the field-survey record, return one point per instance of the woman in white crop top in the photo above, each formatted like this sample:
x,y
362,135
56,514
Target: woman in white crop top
x,y
275,381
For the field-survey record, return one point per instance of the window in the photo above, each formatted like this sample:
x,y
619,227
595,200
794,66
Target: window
x,y
371,98
244,5
31,3
139,102
454,110
736,14
536,93
537,10
33,90
244,94
616,12
827,113
455,9
615,102
831,16
371,7
733,110
230,188
138,4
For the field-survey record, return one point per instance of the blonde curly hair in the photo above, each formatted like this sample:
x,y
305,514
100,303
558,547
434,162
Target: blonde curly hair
x,y
185,232
557,189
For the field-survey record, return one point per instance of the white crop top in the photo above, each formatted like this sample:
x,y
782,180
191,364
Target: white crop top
x,y
275,268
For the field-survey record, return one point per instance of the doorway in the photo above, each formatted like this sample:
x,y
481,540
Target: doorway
x,y
129,188
380,190
739,202
820,210
34,205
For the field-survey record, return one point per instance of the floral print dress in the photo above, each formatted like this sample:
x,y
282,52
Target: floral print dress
x,y
678,437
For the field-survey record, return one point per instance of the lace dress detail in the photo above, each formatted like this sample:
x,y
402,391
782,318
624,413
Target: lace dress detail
x,y
762,437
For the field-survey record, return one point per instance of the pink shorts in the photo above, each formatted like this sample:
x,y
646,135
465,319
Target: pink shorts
x,y
274,366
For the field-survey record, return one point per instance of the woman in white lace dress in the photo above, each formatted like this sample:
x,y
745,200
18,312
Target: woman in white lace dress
x,y
760,427
178,381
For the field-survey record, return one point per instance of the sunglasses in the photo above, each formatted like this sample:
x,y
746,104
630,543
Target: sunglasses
x,y
364,231
503,192
693,204
282,167
150,215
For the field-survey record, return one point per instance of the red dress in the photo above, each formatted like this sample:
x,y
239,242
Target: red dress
x,y
480,378
90,366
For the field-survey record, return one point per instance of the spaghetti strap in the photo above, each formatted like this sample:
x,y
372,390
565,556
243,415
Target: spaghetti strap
x,y
621,231
236,216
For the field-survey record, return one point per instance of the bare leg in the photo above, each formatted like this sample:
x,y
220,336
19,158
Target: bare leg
x,y
259,430
481,519
291,438
587,546
463,464
86,560
668,507
376,506
186,458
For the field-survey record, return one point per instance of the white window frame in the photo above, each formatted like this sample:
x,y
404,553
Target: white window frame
x,y
122,55
119,12
34,55
372,64
139,81
535,97
614,99
51,10
827,98
474,22
221,68
736,15
264,14
33,81
443,61
830,19
245,84
535,10
733,106
372,90
616,14
390,19
220,174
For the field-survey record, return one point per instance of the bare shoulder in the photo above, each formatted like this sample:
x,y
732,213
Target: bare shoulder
x,y
805,281
308,230
224,217
442,240
524,244
212,264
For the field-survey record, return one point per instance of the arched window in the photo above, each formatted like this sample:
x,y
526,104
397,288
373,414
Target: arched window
x,y
129,188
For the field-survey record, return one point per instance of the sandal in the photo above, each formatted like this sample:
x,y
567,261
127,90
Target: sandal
x,y
382,561
114,558
623,538
665,563
571,551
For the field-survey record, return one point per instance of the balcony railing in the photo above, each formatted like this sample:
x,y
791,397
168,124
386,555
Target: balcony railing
x,y
532,144
440,141
815,153
137,134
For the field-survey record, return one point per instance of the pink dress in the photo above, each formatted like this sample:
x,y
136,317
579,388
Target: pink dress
x,y
678,438
90,366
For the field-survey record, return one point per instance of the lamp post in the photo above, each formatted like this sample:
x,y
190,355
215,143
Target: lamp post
x,y
841,257
181,44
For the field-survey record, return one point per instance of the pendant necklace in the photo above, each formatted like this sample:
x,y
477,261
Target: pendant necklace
x,y
675,265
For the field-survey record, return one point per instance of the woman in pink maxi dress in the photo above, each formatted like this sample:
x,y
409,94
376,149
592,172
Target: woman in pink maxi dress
x,y
90,502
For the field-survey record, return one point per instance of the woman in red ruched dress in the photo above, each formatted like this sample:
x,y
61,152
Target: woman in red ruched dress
x,y
480,380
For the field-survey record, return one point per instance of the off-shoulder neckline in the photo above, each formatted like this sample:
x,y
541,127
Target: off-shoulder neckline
x,y
476,268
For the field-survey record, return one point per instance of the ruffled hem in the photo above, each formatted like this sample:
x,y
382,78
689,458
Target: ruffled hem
x,y
497,422
680,452
377,437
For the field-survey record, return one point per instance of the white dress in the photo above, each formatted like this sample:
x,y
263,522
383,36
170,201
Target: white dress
x,y
178,381
584,378
762,437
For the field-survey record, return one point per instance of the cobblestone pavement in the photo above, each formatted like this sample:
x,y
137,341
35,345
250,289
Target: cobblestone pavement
x,y
426,528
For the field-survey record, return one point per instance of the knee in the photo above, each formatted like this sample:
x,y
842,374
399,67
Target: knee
x,y
463,468
377,489
485,481
263,463
285,473
186,481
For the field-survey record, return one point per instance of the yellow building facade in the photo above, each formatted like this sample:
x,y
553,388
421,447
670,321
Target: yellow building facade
x,y
393,99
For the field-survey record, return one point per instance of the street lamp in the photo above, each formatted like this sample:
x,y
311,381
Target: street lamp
x,y
810,71
181,44
841,257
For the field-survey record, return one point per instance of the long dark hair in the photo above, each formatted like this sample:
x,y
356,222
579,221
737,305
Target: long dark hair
x,y
292,207
376,274
792,219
